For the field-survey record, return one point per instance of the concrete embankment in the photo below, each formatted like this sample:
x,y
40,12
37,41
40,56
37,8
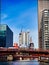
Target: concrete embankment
x,y
46,61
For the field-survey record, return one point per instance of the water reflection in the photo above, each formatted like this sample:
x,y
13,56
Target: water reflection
x,y
23,63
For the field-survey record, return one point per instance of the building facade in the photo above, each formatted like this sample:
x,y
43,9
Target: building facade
x,y
24,39
31,45
20,38
42,6
45,29
6,36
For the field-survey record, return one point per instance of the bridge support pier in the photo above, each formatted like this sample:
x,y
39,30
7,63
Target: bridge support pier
x,y
9,58
39,58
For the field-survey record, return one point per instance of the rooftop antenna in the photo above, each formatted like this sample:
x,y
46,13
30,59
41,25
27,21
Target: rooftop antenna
x,y
21,29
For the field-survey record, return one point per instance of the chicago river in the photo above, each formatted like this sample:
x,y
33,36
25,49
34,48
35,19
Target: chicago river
x,y
34,62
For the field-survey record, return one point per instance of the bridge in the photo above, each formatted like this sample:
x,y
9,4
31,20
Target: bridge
x,y
16,54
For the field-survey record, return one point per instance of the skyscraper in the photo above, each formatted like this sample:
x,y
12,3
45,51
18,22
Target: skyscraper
x,y
42,6
6,36
45,29
20,38
24,39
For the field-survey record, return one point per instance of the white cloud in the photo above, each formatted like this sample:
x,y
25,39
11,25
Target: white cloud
x,y
26,13
3,16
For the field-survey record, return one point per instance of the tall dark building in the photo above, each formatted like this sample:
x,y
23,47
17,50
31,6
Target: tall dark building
x,y
6,36
43,7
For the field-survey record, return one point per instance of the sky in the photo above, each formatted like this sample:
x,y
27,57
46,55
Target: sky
x,y
21,14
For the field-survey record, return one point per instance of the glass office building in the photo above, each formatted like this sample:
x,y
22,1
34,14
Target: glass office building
x,y
6,36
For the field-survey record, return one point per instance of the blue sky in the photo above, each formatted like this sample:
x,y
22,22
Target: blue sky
x,y
19,14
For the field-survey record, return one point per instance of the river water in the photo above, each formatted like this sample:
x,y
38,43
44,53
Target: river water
x,y
23,63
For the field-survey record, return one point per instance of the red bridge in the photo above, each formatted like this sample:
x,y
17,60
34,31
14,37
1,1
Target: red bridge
x,y
23,53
